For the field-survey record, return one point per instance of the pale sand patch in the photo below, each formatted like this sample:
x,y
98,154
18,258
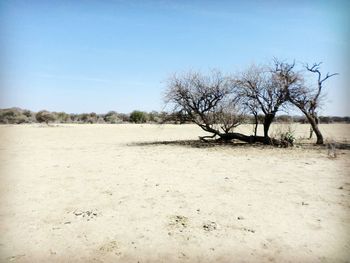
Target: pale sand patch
x,y
88,193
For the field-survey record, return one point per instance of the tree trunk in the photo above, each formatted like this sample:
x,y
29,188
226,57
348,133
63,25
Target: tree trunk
x,y
248,139
256,124
314,124
267,123
226,137
311,132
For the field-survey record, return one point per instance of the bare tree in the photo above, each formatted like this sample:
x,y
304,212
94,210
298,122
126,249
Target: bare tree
x,y
252,107
209,101
265,90
308,99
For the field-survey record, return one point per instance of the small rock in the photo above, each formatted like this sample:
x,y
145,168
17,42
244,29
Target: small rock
x,y
249,230
209,226
240,218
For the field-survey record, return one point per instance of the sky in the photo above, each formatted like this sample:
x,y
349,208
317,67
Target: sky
x,y
96,56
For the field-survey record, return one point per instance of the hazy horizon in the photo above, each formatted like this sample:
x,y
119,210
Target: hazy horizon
x,y
93,56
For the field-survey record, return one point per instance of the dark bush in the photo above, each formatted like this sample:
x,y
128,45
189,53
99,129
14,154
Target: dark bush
x,y
138,116
45,116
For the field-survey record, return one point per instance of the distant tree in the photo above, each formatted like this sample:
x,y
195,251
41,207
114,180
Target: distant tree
x,y
74,117
308,99
154,117
325,119
138,116
92,117
7,116
27,113
83,117
284,119
124,117
100,118
112,117
177,117
63,117
14,116
44,116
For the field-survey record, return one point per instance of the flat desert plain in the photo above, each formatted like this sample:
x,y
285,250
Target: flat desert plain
x,y
119,193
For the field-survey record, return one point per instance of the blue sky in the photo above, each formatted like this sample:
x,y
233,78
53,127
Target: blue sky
x,y
96,56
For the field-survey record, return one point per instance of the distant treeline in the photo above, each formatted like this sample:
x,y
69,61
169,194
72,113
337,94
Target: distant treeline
x,y
19,116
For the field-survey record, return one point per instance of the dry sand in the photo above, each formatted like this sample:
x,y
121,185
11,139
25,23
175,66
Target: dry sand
x,y
91,193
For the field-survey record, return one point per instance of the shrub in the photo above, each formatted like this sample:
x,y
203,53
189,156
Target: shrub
x,y
83,117
286,135
27,113
124,117
63,117
14,116
112,117
138,117
92,117
45,116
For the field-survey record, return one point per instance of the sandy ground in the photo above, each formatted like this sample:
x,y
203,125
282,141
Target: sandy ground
x,y
93,193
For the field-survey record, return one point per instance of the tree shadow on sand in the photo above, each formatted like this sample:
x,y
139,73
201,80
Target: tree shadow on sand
x,y
211,144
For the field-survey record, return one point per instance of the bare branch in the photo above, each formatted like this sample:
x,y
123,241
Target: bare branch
x,y
209,101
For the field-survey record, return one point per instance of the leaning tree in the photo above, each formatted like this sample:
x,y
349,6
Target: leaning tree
x,y
308,99
209,101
